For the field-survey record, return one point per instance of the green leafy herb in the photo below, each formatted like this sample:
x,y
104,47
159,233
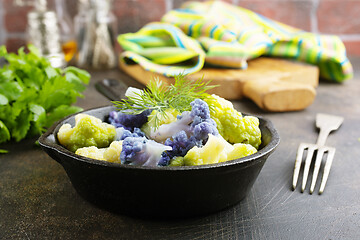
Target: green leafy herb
x,y
33,94
160,96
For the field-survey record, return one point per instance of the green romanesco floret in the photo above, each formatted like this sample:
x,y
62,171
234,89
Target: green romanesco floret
x,y
88,131
231,124
216,150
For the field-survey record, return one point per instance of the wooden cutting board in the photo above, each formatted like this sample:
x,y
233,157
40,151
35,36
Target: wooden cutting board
x,y
274,84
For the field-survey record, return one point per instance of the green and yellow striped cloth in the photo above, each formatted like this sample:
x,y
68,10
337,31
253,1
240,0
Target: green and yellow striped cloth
x,y
162,48
219,34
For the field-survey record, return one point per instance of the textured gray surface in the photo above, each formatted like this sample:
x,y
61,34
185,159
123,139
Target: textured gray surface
x,y
37,200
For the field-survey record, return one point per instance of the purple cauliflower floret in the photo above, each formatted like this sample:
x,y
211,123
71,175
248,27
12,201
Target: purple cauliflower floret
x,y
122,133
202,125
199,110
165,131
195,133
197,122
181,144
202,130
140,151
128,121
165,159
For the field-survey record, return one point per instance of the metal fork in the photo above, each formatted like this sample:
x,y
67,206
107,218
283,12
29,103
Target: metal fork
x,y
326,123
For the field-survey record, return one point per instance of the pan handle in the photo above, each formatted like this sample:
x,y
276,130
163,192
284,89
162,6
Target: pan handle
x,y
113,89
47,142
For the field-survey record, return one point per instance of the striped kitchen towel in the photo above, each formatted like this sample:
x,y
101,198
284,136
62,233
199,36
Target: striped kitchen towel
x,y
162,48
229,36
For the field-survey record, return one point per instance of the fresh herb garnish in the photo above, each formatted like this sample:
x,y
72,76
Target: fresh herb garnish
x,y
33,94
161,96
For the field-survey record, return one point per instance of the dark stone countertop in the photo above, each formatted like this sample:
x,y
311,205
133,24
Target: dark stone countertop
x,y
37,200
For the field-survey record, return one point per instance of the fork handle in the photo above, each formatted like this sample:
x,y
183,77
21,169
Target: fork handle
x,y
326,123
324,133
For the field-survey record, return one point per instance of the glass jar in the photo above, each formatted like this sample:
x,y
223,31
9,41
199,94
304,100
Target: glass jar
x,y
43,32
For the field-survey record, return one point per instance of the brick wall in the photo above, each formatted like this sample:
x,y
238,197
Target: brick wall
x,y
340,17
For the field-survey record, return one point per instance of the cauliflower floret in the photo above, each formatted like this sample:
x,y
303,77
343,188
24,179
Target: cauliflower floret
x,y
122,133
177,161
128,121
91,152
110,154
211,152
216,150
140,151
165,131
231,124
155,118
241,150
88,131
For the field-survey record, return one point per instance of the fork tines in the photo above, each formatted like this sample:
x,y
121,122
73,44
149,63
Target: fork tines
x,y
326,123
320,151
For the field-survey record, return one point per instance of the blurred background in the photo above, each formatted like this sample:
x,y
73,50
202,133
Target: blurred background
x,y
319,16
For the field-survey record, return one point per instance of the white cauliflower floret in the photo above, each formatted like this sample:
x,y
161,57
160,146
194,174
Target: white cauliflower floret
x,y
109,154
216,150
112,153
91,152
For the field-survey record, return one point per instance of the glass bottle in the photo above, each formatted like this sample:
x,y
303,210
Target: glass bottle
x,y
96,29
66,28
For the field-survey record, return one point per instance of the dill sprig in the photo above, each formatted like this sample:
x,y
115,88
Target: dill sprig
x,y
160,96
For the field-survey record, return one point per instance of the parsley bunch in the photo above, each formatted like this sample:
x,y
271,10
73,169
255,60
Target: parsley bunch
x,y
33,94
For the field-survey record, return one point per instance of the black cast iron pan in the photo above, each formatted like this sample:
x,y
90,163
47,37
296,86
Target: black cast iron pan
x,y
160,191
